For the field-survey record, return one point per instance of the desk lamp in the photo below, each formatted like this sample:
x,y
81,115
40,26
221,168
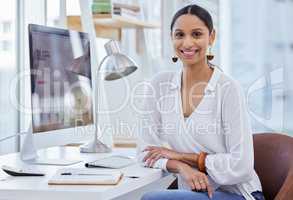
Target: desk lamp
x,y
114,65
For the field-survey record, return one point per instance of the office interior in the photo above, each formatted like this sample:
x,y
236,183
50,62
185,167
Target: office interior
x,y
254,45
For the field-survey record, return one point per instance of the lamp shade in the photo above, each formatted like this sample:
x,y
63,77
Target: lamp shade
x,y
115,65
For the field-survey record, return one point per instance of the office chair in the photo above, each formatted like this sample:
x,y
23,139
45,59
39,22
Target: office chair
x,y
273,162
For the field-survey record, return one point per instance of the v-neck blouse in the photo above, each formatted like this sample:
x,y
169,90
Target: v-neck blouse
x,y
219,126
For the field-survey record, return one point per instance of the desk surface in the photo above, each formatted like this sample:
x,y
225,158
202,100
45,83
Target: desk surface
x,y
16,188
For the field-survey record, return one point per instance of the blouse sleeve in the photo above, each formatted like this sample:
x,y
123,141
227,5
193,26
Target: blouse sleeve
x,y
236,165
149,126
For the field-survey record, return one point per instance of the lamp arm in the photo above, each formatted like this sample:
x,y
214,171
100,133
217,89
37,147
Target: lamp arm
x,y
100,65
97,99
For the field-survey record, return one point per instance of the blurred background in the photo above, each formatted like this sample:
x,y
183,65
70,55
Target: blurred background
x,y
254,45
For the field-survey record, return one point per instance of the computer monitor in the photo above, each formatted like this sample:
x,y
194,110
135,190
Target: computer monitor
x,y
61,86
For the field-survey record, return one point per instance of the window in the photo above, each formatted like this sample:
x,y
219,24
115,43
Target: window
x,y
8,69
261,60
6,26
53,10
6,45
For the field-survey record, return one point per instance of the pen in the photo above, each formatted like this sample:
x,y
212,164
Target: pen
x,y
84,174
132,176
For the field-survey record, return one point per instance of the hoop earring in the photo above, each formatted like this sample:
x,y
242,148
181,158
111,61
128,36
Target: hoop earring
x,y
174,59
210,55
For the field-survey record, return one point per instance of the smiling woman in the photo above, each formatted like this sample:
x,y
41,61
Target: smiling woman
x,y
201,113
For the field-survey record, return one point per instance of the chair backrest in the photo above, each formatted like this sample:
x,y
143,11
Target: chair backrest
x,y
273,155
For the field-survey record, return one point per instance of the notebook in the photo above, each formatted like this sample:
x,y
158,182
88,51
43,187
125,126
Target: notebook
x,y
85,176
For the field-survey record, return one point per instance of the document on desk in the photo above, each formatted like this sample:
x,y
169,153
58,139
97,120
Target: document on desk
x,y
85,176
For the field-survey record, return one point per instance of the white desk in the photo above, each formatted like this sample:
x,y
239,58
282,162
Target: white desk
x,y
37,188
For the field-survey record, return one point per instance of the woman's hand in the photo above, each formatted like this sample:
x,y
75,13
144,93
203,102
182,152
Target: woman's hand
x,y
196,180
155,153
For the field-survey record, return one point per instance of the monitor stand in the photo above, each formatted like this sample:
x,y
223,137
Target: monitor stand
x,y
29,154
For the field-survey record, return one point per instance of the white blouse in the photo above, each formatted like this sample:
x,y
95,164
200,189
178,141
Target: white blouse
x,y
219,125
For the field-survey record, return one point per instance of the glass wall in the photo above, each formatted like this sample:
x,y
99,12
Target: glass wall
x,y
261,59
8,69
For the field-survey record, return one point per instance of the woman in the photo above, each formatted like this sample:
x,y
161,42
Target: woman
x,y
201,114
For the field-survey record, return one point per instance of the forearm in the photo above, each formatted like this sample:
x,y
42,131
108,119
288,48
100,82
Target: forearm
x,y
175,166
194,178
189,158
240,168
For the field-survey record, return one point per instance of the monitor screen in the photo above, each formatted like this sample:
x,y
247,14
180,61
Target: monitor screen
x,y
61,88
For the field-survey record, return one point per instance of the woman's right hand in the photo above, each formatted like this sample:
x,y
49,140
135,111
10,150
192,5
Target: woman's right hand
x,y
196,180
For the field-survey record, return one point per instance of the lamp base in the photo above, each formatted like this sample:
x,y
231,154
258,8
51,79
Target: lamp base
x,y
95,146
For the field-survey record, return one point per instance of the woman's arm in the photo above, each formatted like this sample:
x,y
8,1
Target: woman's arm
x,y
236,165
195,179
155,152
189,158
174,166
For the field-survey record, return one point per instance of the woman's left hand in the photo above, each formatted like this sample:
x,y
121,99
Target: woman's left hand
x,y
155,153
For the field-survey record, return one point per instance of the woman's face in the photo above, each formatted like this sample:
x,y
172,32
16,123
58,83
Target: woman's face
x,y
191,39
